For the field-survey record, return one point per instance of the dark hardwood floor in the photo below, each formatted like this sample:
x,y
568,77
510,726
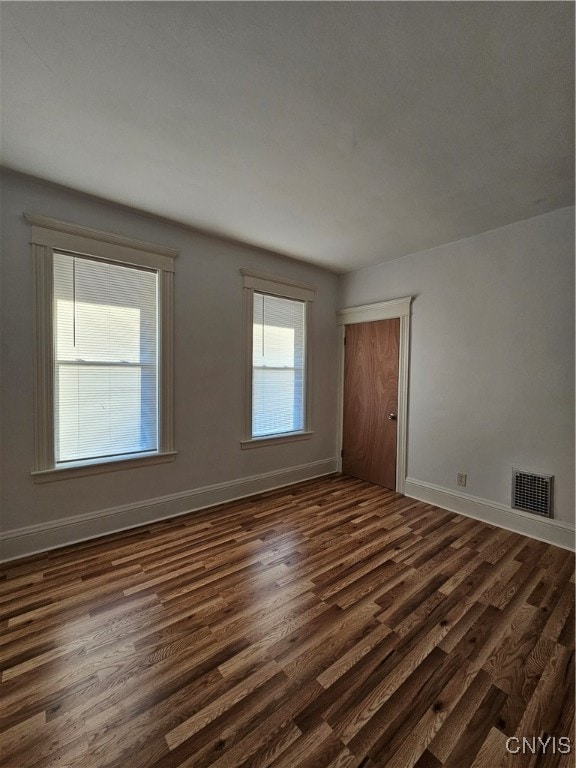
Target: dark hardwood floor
x,y
332,623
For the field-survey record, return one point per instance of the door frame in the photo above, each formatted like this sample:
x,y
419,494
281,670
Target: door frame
x,y
367,313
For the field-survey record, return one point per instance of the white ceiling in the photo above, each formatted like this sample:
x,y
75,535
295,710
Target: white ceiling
x,y
344,134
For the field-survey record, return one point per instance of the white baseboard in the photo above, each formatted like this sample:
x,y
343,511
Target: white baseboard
x,y
550,531
33,539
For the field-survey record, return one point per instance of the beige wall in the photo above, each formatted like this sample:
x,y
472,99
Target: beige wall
x,y
208,379
491,379
492,356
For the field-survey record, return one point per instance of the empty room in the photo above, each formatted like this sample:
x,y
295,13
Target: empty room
x,y
287,385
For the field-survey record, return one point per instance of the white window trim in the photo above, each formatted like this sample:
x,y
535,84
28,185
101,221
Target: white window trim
x,y
287,289
47,236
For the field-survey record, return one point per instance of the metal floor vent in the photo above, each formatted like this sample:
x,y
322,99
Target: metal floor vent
x,y
532,492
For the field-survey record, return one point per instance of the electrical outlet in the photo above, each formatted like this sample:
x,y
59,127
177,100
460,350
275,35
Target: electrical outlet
x,y
461,479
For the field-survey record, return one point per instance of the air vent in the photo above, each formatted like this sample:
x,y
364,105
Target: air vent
x,y
532,492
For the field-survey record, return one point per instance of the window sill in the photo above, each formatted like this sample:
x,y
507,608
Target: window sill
x,y
81,470
287,437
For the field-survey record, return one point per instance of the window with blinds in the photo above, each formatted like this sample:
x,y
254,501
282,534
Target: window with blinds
x,y
278,362
105,359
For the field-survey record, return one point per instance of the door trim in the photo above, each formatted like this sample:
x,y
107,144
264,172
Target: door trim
x,y
367,313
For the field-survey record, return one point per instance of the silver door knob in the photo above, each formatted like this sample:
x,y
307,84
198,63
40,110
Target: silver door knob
x,y
392,417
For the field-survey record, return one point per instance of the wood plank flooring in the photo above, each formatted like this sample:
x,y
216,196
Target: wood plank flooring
x,y
332,623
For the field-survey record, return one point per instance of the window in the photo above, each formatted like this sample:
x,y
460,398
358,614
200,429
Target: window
x,y
104,352
277,360
105,343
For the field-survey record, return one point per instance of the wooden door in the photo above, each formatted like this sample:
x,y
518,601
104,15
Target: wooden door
x,y
371,401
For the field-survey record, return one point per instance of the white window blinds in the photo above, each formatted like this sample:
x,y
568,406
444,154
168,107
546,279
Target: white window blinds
x,y
278,359
105,359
